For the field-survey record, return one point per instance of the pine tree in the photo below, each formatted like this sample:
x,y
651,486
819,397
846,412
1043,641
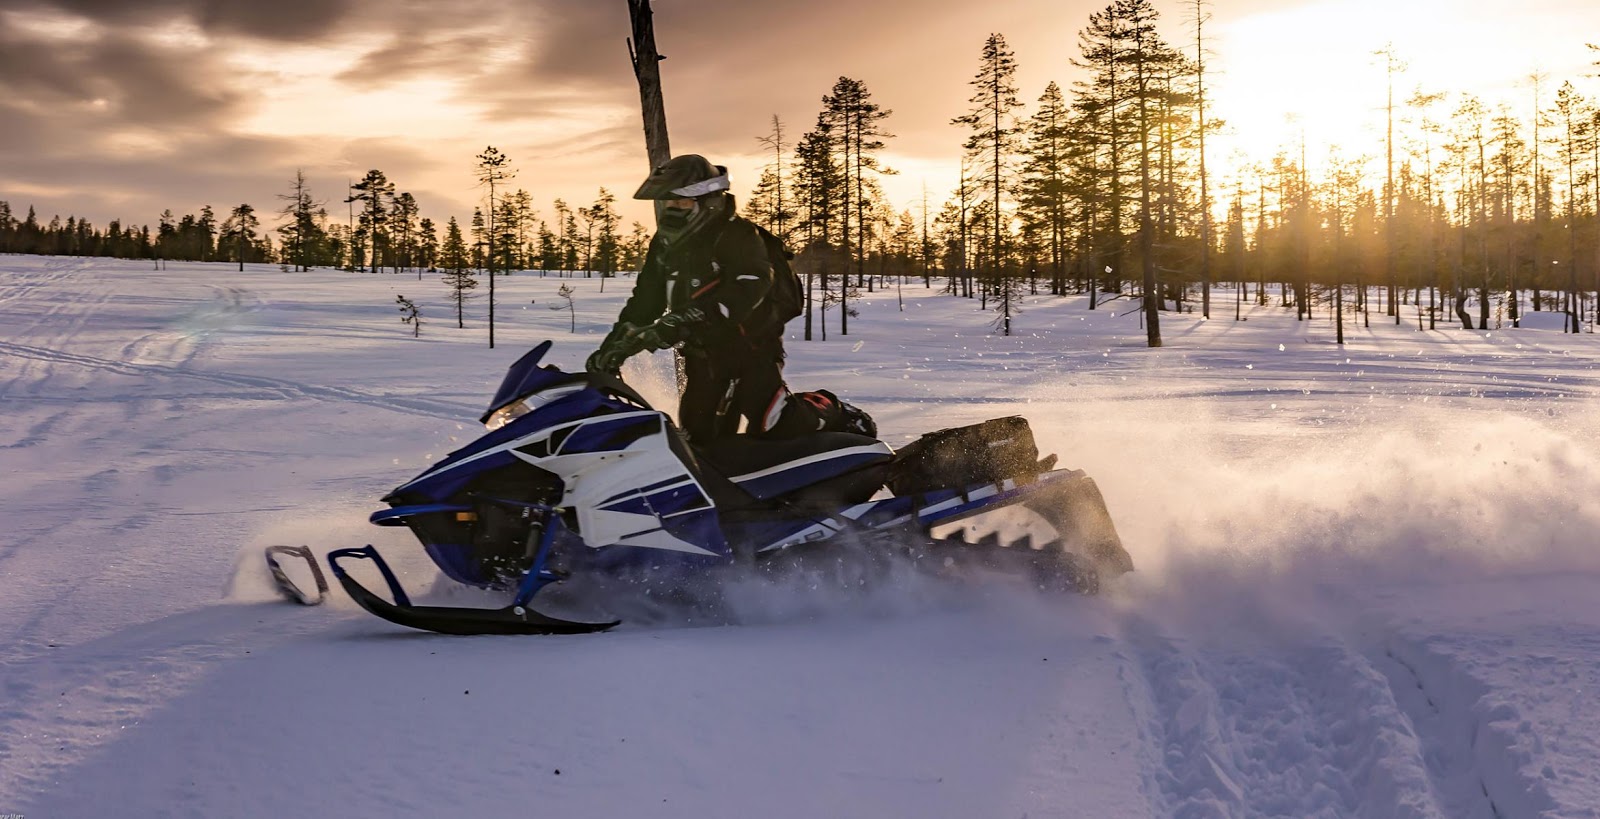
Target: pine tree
x,y
566,228
857,120
607,243
1569,110
569,241
239,233
1201,17
1043,192
403,226
427,245
480,241
523,216
166,233
818,183
635,247
206,233
768,205
1150,59
549,249
493,168
299,228
8,228
993,141
457,264
373,192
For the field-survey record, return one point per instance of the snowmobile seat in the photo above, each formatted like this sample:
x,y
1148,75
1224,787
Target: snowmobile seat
x,y
847,467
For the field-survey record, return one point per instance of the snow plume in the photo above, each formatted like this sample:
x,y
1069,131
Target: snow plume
x,y
1446,495
845,587
654,378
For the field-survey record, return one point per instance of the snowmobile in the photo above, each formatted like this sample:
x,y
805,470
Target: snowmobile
x,y
578,476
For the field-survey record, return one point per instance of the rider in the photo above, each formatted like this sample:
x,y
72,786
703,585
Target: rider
x,y
707,287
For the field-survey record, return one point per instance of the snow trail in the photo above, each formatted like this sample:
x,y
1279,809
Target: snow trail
x,y
1365,587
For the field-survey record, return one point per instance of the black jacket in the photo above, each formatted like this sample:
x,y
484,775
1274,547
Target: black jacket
x,y
724,271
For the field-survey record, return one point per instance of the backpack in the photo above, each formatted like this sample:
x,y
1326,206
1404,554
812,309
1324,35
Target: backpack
x,y
788,296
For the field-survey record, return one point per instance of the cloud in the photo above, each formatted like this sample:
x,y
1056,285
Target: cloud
x,y
281,20
408,54
115,78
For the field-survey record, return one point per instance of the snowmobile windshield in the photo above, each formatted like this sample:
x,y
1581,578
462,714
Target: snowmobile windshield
x,y
529,403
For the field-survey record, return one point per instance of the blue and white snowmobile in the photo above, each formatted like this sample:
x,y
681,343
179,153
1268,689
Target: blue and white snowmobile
x,y
578,476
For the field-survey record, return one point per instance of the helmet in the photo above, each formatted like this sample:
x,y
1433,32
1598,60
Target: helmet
x,y
690,176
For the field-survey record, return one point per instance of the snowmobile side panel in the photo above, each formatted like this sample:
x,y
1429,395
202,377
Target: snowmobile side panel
x,y
675,513
788,477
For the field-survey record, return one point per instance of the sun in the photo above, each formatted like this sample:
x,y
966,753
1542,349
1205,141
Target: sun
x,y
1315,74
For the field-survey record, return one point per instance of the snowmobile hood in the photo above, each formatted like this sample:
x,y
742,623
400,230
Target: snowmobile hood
x,y
526,377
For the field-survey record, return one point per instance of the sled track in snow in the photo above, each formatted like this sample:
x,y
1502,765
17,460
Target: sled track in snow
x,y
57,270
178,345
1467,744
276,389
1302,723
76,699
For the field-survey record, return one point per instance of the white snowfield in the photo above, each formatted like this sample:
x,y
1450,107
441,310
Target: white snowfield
x,y
1368,577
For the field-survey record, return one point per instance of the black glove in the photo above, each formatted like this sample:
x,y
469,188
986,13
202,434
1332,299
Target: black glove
x,y
618,347
668,330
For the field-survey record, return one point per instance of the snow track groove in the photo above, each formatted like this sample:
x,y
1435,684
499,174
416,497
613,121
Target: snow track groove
x,y
1469,741
269,388
1242,723
74,700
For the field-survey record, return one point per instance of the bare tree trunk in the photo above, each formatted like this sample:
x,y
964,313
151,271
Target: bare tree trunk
x,y
1200,18
647,70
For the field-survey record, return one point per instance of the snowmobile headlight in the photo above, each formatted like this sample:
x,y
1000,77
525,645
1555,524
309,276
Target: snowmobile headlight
x,y
527,404
507,414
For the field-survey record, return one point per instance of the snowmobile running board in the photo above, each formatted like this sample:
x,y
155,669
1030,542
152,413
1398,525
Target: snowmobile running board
x,y
287,587
516,618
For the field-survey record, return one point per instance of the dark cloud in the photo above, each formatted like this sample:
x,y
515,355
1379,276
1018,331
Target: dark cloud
x,y
411,54
284,20
287,20
115,78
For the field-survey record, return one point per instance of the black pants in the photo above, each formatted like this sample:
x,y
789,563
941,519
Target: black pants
x,y
745,381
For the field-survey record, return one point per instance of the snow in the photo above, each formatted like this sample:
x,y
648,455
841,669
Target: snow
x,y
1367,575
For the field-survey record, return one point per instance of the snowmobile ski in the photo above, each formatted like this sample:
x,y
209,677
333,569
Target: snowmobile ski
x,y
516,618
287,587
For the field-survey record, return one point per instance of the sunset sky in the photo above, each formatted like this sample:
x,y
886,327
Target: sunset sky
x,y
120,108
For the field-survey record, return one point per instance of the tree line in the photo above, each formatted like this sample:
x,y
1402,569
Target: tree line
x,y
384,231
